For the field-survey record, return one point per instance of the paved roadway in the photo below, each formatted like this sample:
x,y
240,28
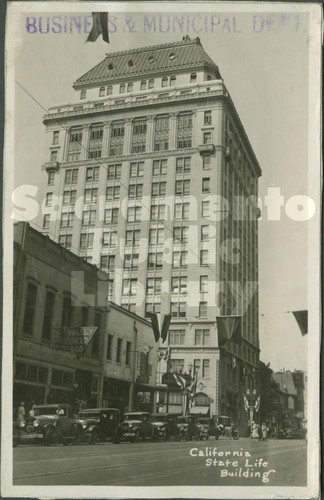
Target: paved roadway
x,y
157,464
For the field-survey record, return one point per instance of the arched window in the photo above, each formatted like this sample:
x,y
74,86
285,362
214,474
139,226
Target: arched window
x,y
193,77
83,94
173,81
109,89
151,84
165,81
143,85
122,88
130,87
101,91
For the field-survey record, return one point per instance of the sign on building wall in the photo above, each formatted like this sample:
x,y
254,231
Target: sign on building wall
x,y
79,338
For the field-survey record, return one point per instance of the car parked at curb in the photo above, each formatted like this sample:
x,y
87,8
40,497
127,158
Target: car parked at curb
x,y
99,424
188,428
166,424
135,427
51,424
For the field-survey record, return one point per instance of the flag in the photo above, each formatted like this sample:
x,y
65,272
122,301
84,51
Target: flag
x,y
302,319
246,403
163,319
181,381
228,328
99,27
257,404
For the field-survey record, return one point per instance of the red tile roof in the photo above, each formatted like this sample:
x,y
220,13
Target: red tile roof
x,y
149,60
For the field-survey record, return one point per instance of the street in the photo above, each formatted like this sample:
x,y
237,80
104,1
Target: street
x,y
220,463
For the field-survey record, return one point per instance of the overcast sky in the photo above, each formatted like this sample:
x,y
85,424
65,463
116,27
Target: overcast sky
x,y
266,73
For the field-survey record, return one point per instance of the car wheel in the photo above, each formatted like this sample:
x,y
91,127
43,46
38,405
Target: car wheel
x,y
94,437
207,437
228,434
116,440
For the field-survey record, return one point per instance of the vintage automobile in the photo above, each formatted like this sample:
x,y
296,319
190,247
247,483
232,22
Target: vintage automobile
x,y
166,425
224,428
99,424
51,423
207,427
136,426
188,428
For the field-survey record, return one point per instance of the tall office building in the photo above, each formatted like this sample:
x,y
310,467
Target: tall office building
x,y
156,181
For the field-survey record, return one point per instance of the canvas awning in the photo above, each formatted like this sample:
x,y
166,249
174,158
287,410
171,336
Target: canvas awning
x,y
199,410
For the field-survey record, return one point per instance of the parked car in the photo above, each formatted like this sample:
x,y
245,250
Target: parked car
x,y
207,427
136,426
188,428
99,424
225,428
53,423
166,425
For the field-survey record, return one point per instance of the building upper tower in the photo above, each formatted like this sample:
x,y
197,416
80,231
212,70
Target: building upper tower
x,y
156,183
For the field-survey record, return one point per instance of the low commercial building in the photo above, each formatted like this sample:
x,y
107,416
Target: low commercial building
x,y
58,300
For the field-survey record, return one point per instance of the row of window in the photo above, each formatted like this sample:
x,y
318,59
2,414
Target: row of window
x,y
138,137
143,85
122,356
154,285
159,167
51,303
200,367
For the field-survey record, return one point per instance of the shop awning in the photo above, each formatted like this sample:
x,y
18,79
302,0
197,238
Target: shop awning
x,y
199,410
172,409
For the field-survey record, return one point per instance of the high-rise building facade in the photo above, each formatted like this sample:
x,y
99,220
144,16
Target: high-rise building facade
x,y
150,175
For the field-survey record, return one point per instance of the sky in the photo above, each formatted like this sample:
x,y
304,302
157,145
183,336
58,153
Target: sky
x,y
264,63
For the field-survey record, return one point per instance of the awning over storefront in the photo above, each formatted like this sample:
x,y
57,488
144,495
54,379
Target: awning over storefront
x,y
172,409
199,410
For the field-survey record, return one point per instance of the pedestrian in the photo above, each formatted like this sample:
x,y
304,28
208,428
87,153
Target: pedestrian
x,y
259,432
21,414
32,409
264,430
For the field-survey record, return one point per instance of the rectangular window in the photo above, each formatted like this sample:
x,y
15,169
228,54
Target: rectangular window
x,y
56,135
114,171
128,353
204,233
117,139
107,262
203,257
184,138
137,169
132,237
153,285
50,177
134,214
158,212
155,260
178,309
161,133
207,138
196,367
160,167
131,261
109,239
177,337
206,162
202,337
48,316
182,187
30,309
205,368
204,208
129,286
152,307
49,199
92,174
156,236
88,217
203,309
207,118
179,284
183,165
91,195
54,155
71,176
180,234
113,193
158,188
111,216
181,211
135,191
86,240
66,241
109,346
205,187
67,219
69,197
119,350
46,221
203,284
139,136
